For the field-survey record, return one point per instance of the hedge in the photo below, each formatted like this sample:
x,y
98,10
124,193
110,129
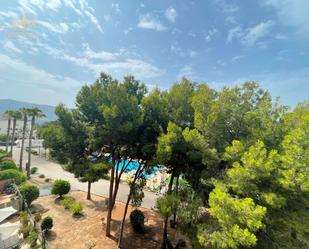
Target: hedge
x,y
14,174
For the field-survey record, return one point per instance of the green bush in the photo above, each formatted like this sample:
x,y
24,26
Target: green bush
x,y
32,238
7,164
30,193
137,219
66,202
4,154
41,176
37,217
47,179
14,174
33,170
34,152
47,224
76,208
61,187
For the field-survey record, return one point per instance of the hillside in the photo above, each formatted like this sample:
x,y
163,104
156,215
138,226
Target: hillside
x,y
10,104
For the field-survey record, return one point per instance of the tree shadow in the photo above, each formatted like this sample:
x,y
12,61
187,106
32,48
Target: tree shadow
x,y
98,205
150,238
79,217
50,235
38,208
58,199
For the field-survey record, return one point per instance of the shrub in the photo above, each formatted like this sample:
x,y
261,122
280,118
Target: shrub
x,y
47,224
33,170
37,217
41,176
30,193
25,228
32,238
60,187
34,152
7,164
17,176
47,180
137,219
3,154
9,188
66,202
76,208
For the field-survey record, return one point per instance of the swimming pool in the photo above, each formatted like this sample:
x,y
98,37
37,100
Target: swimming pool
x,y
133,166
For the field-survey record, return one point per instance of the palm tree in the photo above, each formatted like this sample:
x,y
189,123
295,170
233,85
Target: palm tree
x,y
24,112
33,113
8,114
16,115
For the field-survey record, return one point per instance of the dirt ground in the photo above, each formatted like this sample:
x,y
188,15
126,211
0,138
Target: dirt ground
x,y
89,229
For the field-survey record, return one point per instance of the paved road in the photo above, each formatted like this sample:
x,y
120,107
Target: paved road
x,y
54,171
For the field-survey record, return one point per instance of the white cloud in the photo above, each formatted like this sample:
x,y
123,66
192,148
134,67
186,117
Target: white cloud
x,y
101,55
116,7
237,58
255,33
64,27
171,14
10,47
128,30
57,28
177,50
227,7
9,14
293,13
280,36
83,9
291,85
188,72
210,33
192,34
230,20
119,67
53,4
107,17
234,33
251,35
193,53
30,5
34,84
149,22
26,6
70,4
136,67
94,20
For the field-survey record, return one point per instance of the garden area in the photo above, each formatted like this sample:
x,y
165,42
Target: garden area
x,y
61,216
88,228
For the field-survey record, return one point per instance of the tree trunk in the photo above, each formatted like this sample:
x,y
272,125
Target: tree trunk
x,y
110,199
169,190
117,180
138,171
175,211
124,218
13,136
22,144
89,191
30,147
116,187
8,135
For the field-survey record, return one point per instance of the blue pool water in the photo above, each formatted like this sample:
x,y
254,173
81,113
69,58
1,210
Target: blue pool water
x,y
134,165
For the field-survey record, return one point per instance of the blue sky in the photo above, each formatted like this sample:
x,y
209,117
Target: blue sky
x,y
68,42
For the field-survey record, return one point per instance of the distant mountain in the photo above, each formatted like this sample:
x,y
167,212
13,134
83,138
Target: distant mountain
x,y
10,104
